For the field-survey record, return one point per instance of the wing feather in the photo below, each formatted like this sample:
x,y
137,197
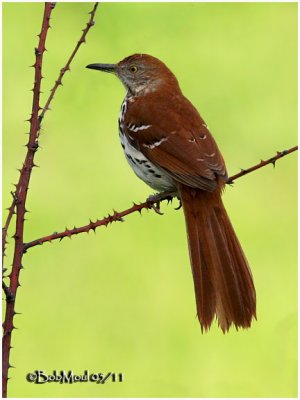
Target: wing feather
x,y
176,139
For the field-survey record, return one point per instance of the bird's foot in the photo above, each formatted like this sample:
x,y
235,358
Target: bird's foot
x,y
158,197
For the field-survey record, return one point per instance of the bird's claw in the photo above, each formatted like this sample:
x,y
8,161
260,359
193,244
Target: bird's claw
x,y
179,206
156,208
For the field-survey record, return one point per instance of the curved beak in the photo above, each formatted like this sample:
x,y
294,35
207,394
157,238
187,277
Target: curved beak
x,y
103,67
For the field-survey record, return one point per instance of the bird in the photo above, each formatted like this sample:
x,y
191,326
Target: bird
x,y
169,146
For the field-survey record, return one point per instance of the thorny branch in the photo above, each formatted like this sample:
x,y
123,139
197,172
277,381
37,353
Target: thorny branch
x,y
11,212
58,82
118,216
263,163
19,196
66,68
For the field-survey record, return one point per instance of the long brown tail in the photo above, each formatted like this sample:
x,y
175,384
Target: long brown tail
x,y
222,277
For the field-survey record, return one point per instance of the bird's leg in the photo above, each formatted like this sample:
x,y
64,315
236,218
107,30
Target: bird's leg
x,y
166,195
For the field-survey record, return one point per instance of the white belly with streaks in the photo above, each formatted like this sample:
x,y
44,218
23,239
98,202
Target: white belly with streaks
x,y
144,169
154,176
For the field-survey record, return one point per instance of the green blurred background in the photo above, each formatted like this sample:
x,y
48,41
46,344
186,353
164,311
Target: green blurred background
x,y
122,300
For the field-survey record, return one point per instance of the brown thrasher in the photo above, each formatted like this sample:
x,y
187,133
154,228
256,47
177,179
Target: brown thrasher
x,y
169,146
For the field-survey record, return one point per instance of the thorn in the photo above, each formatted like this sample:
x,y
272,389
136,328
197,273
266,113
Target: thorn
x,y
116,215
93,228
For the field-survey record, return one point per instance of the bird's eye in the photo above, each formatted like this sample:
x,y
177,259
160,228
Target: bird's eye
x,y
133,68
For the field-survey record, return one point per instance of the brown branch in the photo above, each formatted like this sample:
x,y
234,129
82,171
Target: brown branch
x,y
263,163
91,226
11,212
8,295
118,216
66,68
21,194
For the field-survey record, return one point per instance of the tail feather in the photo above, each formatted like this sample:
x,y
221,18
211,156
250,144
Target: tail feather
x,y
205,298
222,278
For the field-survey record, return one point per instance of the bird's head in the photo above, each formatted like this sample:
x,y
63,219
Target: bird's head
x,y
140,73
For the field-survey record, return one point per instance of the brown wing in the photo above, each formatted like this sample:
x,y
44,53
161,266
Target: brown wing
x,y
172,135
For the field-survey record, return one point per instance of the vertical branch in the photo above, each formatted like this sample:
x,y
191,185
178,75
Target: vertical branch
x,y
20,198
11,212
